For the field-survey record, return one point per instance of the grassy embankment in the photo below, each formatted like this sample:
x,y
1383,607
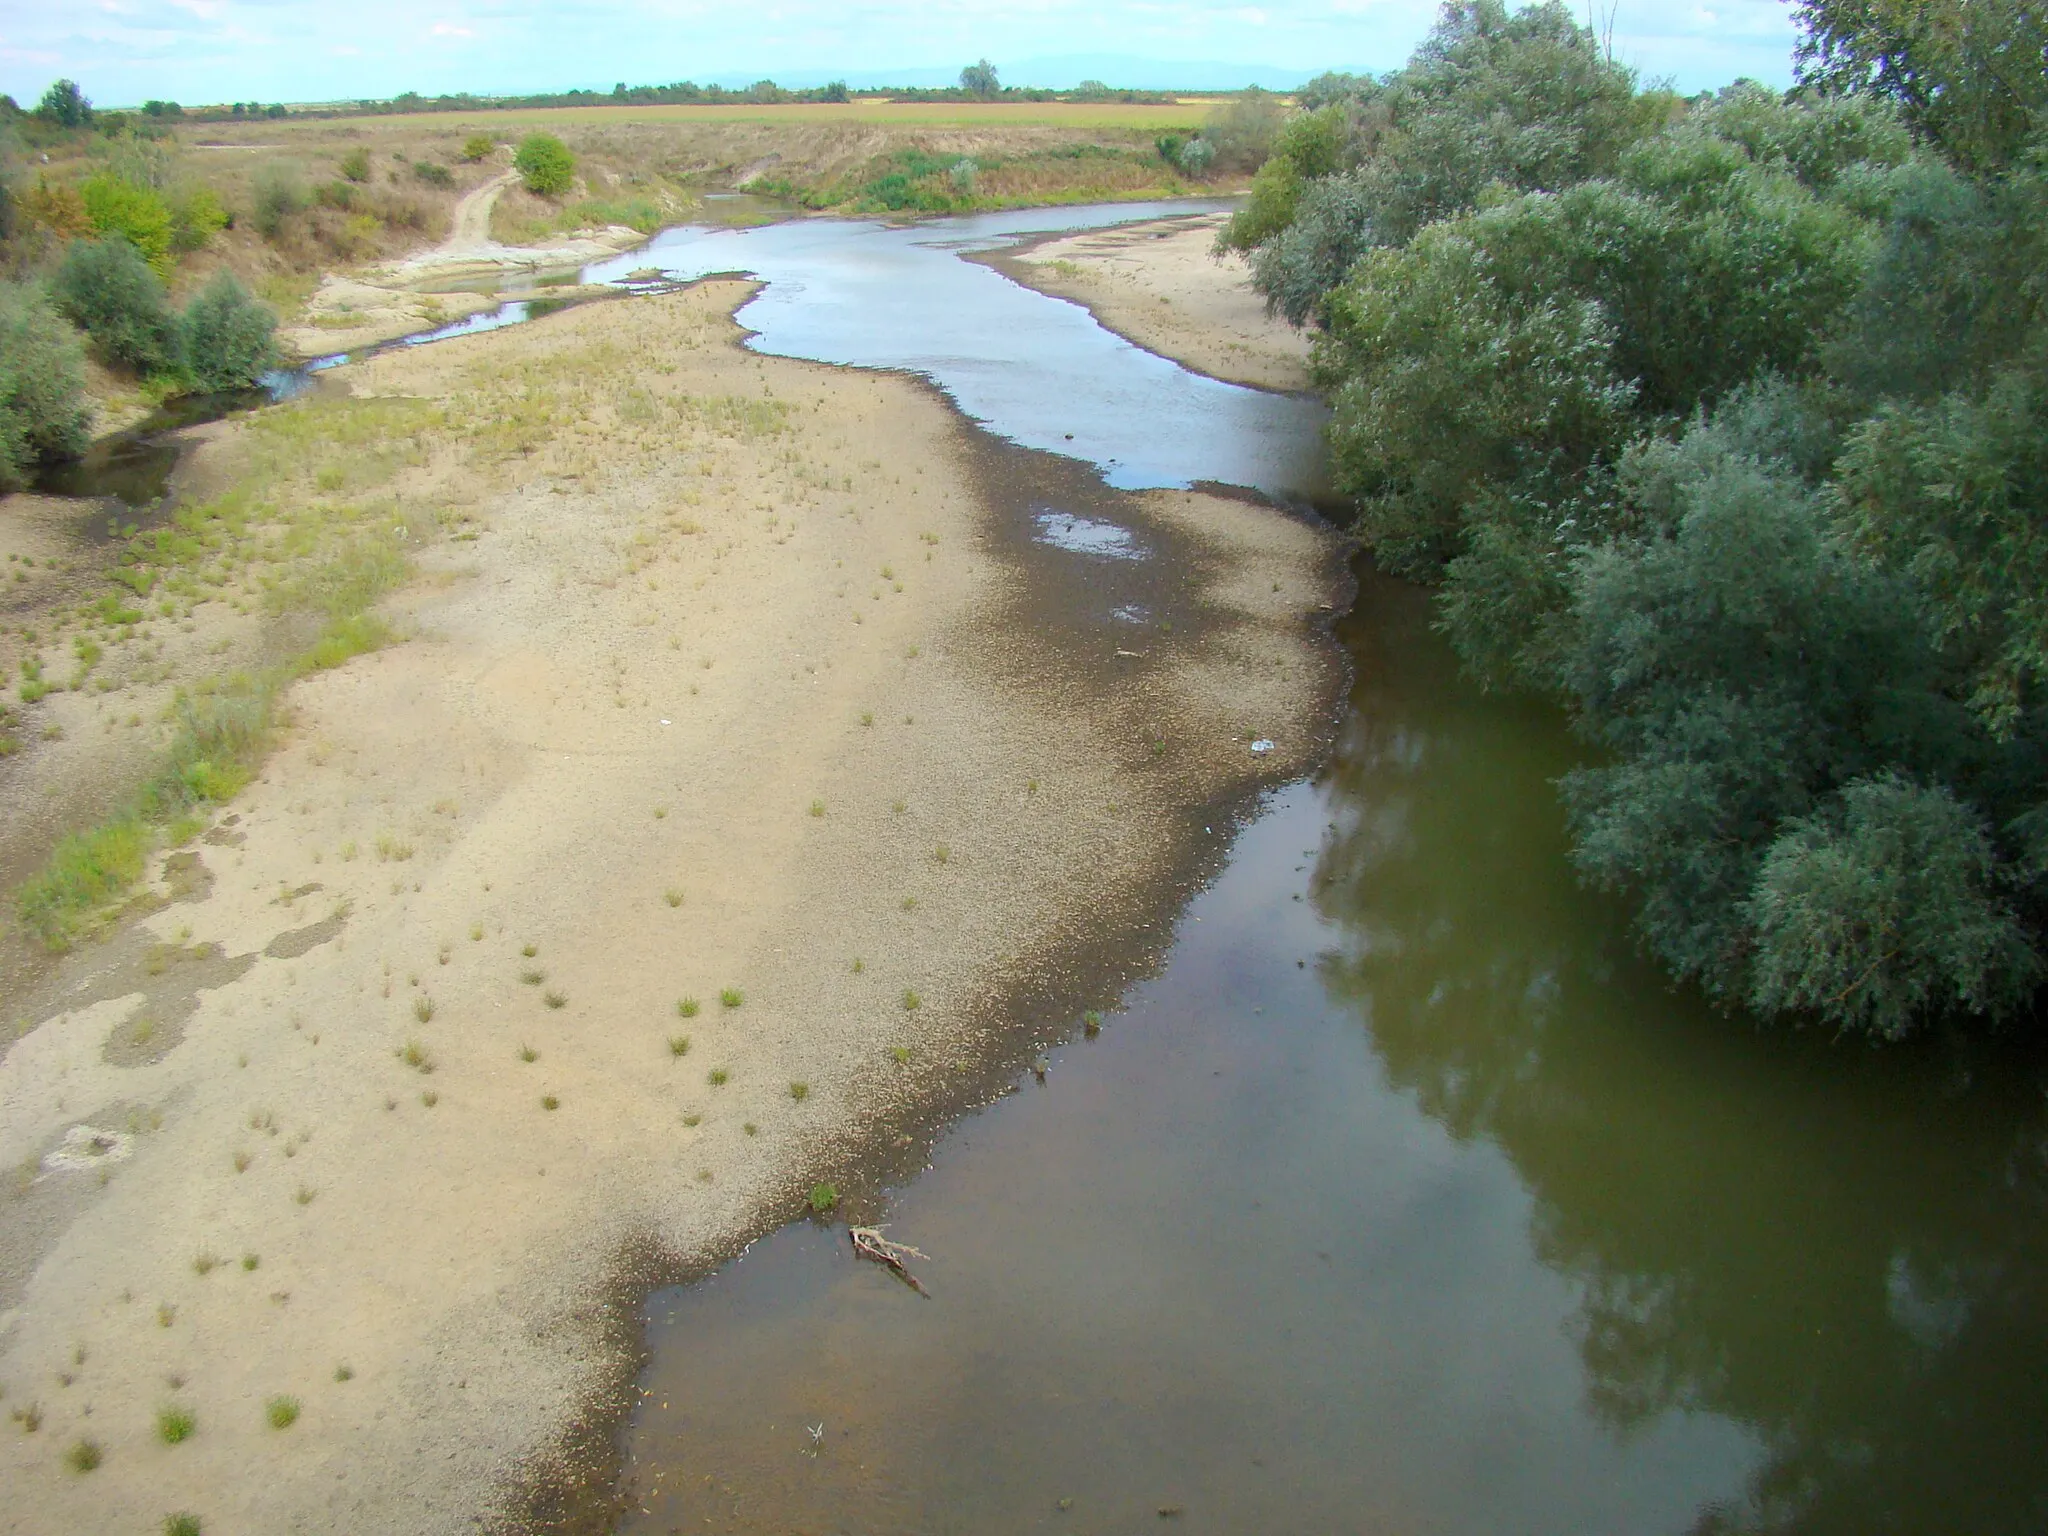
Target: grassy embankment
x,y
293,543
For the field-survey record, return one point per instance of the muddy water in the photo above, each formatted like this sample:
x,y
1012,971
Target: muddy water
x,y
1405,1199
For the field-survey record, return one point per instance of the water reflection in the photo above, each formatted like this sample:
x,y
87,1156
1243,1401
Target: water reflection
x,y
1839,1249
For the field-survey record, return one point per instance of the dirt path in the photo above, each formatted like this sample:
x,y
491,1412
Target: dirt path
x,y
472,226
749,781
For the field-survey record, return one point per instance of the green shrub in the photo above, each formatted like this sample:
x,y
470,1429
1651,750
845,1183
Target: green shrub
x,y
433,175
545,164
196,217
42,386
280,193
227,336
106,289
355,165
118,207
477,147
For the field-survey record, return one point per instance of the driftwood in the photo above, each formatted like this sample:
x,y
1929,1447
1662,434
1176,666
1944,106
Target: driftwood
x,y
868,1243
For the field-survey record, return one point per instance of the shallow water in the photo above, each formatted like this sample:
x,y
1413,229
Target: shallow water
x,y
1037,371
1404,1199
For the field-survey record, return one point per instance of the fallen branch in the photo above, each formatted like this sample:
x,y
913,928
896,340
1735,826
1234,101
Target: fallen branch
x,y
868,1243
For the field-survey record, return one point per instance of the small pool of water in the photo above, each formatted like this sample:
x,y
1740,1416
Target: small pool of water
x,y
1080,535
1406,1199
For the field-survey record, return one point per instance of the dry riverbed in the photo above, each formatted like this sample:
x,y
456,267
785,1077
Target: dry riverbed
x,y
743,776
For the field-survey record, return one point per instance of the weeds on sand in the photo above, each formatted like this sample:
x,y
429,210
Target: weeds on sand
x,y
281,1412
799,1091
344,1372
423,1008
660,812
430,1098
718,1077
858,965
529,950
751,1129
533,978
554,999
900,1054
241,1161
181,1524
30,1417
416,1056
911,1001
672,896
175,1425
731,997
823,1198
476,933
304,1194
250,1261
941,854
679,1045
817,807
205,1264
687,1007
693,1120
1091,1023
549,1101
166,1314
528,1053
909,903
84,1456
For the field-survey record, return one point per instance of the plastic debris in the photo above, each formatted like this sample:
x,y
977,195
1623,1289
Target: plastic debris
x,y
1262,746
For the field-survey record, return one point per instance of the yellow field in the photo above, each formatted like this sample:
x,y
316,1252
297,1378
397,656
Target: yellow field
x,y
1187,113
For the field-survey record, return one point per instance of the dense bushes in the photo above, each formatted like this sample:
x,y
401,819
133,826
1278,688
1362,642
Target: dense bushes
x,y
545,165
42,412
1726,421
107,290
222,341
226,337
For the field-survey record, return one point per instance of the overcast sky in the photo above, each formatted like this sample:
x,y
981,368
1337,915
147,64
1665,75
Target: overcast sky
x,y
205,51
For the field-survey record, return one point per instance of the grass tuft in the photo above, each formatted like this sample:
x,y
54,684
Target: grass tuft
x,y
175,1425
549,1101
679,1045
528,1053
799,1091
84,1456
423,1008
823,1198
281,1412
672,896
911,1001
731,997
416,1056
205,1264
553,999
718,1077
344,1372
183,1523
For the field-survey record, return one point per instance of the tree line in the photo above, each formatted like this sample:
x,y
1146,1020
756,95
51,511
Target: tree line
x,y
1724,420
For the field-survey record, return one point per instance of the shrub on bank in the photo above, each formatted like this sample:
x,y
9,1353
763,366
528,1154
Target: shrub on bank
x,y
545,164
226,336
280,193
136,213
42,385
107,290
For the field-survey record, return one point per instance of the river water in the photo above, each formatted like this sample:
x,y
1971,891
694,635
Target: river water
x,y
1406,1198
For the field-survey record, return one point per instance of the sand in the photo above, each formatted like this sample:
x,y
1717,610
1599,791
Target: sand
x,y
1160,285
721,672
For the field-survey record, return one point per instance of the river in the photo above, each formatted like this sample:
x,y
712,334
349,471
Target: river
x,y
1407,1197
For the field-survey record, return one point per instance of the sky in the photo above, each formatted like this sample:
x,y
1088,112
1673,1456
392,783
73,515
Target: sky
x,y
206,51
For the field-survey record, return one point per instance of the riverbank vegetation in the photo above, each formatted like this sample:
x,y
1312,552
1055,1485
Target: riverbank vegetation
x,y
1722,420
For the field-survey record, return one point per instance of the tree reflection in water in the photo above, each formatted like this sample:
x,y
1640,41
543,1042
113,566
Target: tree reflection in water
x,y
1841,1248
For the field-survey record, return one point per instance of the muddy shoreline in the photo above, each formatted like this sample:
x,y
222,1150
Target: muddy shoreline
x,y
575,1488
1136,748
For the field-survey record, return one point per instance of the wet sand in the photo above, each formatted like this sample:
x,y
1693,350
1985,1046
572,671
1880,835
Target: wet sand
x,y
722,673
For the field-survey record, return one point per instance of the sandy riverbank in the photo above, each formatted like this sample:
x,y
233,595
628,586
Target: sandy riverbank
x,y
1160,285
723,672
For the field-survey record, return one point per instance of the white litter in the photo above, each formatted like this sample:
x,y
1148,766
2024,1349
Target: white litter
x,y
1262,746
